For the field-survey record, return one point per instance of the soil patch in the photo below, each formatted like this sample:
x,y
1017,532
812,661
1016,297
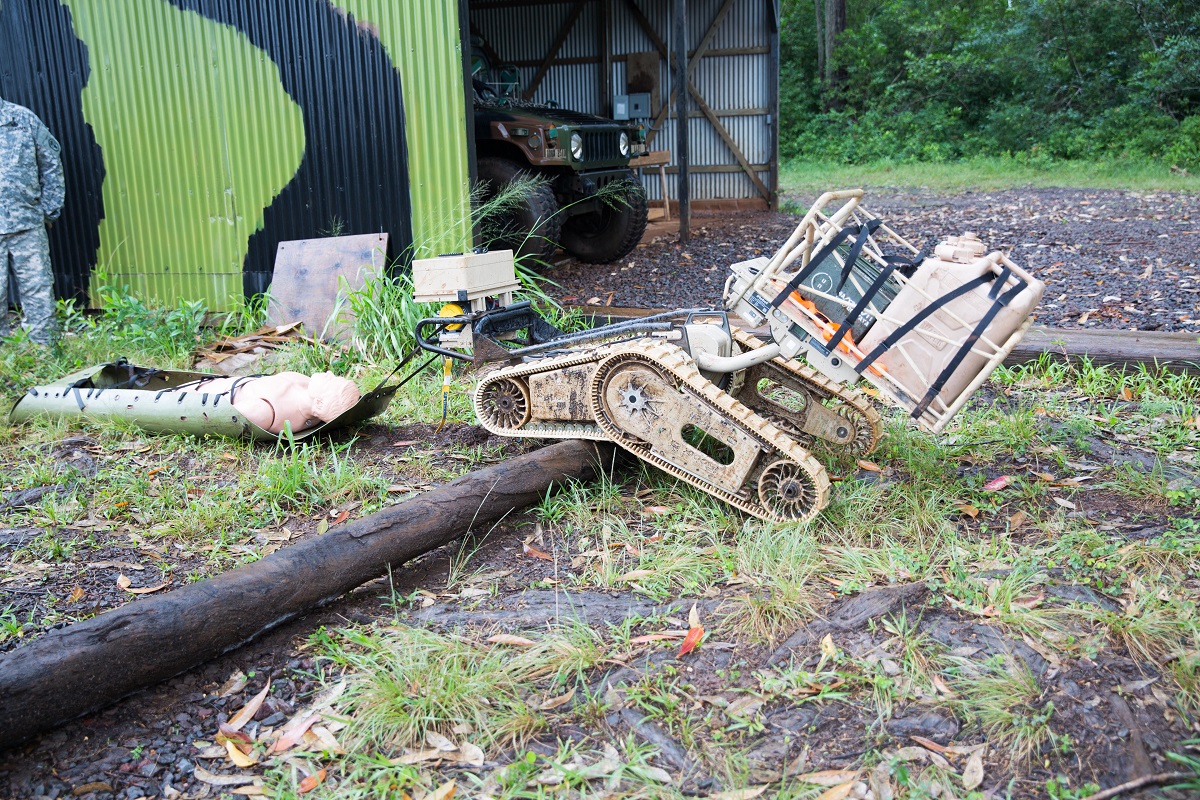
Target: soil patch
x,y
1114,715
1110,259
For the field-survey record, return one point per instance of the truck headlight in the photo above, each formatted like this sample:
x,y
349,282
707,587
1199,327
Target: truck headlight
x,y
624,144
576,146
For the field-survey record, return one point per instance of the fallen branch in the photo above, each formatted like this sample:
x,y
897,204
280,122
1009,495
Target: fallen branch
x,y
852,614
81,668
651,732
1138,783
27,497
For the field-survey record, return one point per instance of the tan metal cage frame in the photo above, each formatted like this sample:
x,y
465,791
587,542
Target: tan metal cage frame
x,y
832,212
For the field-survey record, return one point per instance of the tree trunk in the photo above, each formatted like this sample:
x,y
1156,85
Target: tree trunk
x,y
820,38
88,665
835,23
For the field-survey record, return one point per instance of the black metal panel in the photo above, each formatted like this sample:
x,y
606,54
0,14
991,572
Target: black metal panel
x,y
44,68
355,166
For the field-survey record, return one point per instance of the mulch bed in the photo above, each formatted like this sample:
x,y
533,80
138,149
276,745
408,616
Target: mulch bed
x,y
1120,260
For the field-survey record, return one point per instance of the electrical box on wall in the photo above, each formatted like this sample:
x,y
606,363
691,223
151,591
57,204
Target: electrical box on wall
x,y
631,106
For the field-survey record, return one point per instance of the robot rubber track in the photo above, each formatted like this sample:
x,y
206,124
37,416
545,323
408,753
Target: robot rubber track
x,y
648,397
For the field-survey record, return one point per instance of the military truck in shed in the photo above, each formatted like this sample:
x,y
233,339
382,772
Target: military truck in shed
x,y
589,202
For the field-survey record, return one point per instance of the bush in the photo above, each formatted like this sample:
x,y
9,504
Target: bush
x,y
1183,150
127,325
1039,80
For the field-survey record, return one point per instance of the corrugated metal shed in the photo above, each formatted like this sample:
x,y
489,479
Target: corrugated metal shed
x,y
197,134
736,75
423,41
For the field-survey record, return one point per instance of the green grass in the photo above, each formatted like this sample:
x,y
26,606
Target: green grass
x,y
1155,626
217,503
780,570
1004,697
985,173
302,476
410,682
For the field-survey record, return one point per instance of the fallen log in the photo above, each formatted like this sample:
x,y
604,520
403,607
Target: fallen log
x,y
1177,352
86,666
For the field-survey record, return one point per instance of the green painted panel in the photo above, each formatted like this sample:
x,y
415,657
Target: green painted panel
x,y
424,43
198,137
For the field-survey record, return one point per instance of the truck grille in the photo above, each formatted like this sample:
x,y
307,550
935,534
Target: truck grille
x,y
601,146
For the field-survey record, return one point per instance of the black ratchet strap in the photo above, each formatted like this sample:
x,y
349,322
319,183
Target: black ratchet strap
x,y
999,301
922,315
869,227
824,253
891,264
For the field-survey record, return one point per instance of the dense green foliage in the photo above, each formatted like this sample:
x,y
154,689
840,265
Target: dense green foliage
x,y
924,80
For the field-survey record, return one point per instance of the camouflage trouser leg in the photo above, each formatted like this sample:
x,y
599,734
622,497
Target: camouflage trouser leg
x,y
30,252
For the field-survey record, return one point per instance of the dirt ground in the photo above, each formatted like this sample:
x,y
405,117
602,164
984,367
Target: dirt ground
x,y
1111,259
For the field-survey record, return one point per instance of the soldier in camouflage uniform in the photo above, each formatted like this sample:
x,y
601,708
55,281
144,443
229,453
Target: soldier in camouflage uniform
x,y
31,198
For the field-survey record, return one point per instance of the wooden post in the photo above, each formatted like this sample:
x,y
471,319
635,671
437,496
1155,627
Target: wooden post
x,y
1177,352
666,198
86,666
774,11
681,119
605,58
656,159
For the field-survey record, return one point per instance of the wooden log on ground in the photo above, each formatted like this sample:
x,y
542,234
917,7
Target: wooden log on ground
x,y
1178,352
86,666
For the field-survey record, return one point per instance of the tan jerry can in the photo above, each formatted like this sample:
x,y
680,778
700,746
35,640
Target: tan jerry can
x,y
916,361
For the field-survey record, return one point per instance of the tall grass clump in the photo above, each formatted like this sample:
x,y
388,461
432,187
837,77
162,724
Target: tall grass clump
x,y
407,682
162,335
385,313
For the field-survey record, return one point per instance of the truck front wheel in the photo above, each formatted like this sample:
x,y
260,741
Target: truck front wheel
x,y
612,232
528,223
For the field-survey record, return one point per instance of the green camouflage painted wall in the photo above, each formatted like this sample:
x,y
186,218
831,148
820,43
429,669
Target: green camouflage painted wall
x,y
423,42
176,102
199,136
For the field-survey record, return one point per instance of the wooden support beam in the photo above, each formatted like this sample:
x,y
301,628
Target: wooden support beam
x,y
636,12
719,168
621,58
701,103
563,33
774,9
706,40
569,61
754,111
696,55
682,150
88,665
606,61
661,47
730,143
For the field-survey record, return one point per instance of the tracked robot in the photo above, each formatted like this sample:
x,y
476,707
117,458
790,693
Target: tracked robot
x,y
733,412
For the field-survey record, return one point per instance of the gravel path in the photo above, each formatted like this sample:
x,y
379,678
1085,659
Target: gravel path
x,y
1117,260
